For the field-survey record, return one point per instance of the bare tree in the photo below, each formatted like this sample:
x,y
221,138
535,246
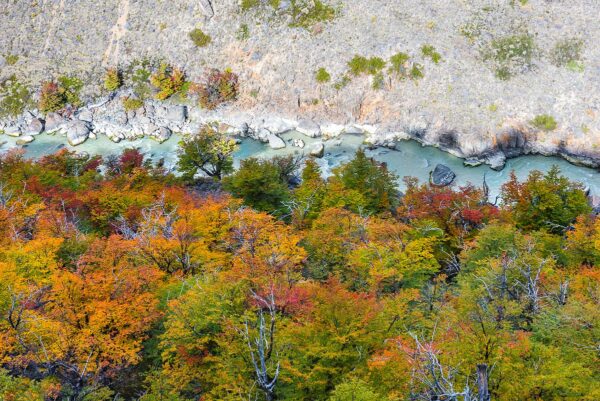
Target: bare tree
x,y
436,381
261,346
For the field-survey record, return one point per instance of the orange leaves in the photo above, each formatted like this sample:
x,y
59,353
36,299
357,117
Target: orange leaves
x,y
266,250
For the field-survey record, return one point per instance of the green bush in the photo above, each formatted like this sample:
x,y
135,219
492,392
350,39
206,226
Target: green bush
x,y
112,79
398,63
378,81
132,103
511,55
11,59
322,76
244,32
248,4
544,122
14,97
306,13
199,38
71,87
429,51
416,71
567,52
362,65
342,82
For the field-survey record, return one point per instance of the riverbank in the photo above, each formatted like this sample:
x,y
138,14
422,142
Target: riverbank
x,y
408,158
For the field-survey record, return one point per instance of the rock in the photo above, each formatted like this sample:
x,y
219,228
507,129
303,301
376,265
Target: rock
x,y
121,118
161,134
25,139
299,143
12,130
86,115
35,127
276,142
353,130
173,114
442,176
332,130
92,136
77,132
496,161
149,128
277,125
53,122
318,150
472,162
263,135
309,128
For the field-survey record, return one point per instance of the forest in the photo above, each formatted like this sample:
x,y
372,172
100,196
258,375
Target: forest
x,y
120,280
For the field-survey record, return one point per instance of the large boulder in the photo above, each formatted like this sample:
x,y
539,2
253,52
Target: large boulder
x,y
161,134
276,142
309,128
77,132
12,130
442,176
317,150
54,121
25,139
35,127
172,114
86,115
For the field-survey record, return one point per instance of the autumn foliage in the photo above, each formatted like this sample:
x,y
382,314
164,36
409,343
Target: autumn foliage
x,y
121,281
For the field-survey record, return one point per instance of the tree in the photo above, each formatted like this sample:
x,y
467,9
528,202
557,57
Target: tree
x,y
374,184
208,151
260,184
549,201
354,390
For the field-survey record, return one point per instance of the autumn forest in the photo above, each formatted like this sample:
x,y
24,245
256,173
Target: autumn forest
x,y
120,280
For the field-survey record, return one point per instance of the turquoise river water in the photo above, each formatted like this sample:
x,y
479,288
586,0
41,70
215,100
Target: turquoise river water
x,y
409,159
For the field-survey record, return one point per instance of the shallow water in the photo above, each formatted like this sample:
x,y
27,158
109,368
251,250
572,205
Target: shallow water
x,y
410,158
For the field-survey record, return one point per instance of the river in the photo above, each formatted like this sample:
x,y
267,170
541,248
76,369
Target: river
x,y
409,158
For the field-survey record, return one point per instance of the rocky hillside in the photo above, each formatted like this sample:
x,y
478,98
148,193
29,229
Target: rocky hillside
x,y
486,79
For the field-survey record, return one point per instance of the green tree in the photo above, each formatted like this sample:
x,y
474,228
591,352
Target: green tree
x,y
354,390
208,151
260,184
370,180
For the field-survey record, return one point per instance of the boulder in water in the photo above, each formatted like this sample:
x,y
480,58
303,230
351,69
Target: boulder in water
x,y
309,128
54,122
35,127
77,132
442,176
161,134
318,150
276,142
25,139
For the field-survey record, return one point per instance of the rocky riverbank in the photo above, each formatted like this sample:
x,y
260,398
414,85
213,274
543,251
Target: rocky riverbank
x,y
158,120
490,69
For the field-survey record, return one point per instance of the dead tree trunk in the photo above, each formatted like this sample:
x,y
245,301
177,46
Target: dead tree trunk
x,y
482,383
261,349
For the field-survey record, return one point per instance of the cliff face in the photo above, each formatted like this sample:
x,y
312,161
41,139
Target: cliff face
x,y
500,65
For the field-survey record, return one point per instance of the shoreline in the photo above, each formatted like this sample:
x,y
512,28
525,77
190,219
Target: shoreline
x,y
159,120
